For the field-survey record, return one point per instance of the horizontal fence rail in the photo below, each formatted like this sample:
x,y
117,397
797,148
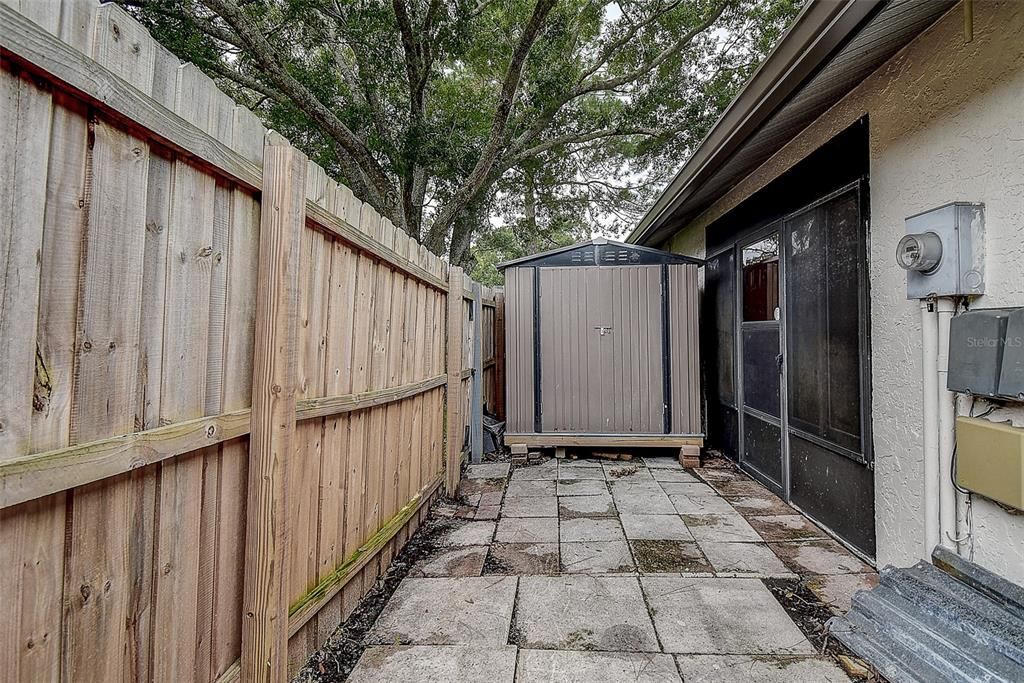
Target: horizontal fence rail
x,y
231,388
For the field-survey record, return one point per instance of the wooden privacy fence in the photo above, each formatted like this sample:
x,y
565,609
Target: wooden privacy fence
x,y
230,388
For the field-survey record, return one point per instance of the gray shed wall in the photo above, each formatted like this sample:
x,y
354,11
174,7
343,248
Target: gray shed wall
x,y
611,384
685,356
519,349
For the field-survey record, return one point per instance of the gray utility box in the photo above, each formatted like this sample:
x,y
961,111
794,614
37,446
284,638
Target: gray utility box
x,y
960,271
1011,374
986,353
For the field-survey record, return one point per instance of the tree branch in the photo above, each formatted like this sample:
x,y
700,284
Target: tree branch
x,y
647,67
503,110
584,88
382,194
614,46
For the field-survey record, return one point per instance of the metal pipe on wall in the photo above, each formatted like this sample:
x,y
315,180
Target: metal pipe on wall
x,y
947,427
930,407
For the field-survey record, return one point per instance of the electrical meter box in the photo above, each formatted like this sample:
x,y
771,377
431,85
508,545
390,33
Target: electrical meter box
x,y
1011,373
976,342
986,353
943,251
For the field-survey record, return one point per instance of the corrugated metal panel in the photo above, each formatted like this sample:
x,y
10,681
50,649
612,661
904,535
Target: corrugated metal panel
x,y
519,349
685,345
926,624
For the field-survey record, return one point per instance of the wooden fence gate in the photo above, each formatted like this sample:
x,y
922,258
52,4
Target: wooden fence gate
x,y
227,382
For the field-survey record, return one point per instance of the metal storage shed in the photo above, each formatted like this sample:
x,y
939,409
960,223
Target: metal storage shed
x,y
601,348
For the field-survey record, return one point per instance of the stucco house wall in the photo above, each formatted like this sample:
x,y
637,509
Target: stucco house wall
x,y
946,122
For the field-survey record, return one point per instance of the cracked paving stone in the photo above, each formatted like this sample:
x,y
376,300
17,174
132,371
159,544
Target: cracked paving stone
x,y
470,533
451,611
575,666
570,507
697,488
655,527
745,559
583,613
527,530
675,476
536,473
533,506
595,473
700,502
596,557
435,664
527,489
721,616
487,470
641,499
818,557
585,529
463,561
581,487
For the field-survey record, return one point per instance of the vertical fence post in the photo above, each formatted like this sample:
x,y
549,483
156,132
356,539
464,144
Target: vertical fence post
x,y
499,355
476,393
454,428
265,603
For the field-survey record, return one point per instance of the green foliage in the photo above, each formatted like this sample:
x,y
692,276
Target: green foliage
x,y
613,97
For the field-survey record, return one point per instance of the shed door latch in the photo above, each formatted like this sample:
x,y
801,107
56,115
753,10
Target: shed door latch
x,y
602,330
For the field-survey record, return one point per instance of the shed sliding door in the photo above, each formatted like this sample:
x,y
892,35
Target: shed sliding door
x,y
601,350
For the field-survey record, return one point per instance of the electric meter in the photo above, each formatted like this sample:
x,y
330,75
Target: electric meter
x,y
921,252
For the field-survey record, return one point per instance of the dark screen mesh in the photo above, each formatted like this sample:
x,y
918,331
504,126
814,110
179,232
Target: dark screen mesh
x,y
823,312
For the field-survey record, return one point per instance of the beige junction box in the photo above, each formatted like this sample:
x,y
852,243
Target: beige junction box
x,y
990,460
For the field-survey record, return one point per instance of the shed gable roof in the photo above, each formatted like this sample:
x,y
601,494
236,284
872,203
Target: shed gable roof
x,y
599,252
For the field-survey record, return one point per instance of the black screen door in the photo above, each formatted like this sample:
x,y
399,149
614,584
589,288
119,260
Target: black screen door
x,y
761,418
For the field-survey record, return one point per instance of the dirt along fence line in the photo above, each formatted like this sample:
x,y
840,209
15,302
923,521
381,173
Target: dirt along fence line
x,y
231,388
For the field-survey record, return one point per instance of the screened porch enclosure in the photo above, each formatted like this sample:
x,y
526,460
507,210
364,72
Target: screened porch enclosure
x,y
785,333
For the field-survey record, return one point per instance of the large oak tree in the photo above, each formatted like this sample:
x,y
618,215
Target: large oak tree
x,y
516,123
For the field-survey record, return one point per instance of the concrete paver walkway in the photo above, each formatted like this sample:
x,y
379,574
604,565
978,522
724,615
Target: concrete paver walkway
x,y
583,570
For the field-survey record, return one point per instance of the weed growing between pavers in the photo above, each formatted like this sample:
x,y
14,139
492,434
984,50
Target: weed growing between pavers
x,y
468,487
620,472
582,639
654,557
333,662
515,634
497,565
811,616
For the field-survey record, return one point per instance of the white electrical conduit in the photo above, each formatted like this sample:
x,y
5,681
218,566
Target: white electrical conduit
x,y
947,431
930,386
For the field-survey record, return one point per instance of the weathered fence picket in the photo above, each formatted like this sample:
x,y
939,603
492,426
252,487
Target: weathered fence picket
x,y
231,388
